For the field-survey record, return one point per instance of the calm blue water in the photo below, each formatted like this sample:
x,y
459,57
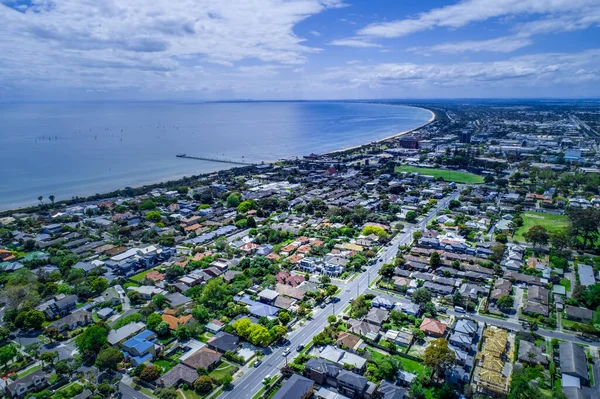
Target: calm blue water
x,y
78,149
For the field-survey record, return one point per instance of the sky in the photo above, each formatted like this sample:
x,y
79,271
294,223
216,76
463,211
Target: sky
x,y
63,50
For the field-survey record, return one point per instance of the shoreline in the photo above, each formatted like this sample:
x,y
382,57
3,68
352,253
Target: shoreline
x,y
173,180
432,119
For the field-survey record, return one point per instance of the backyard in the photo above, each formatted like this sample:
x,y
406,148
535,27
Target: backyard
x,y
549,221
447,175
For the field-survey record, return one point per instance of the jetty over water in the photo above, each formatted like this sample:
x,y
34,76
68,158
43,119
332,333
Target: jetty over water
x,y
221,160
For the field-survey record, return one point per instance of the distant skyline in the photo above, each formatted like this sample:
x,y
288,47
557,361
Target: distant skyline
x,y
57,50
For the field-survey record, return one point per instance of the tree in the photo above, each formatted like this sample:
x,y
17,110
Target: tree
x,y
215,294
109,358
331,318
242,326
421,296
259,335
7,353
154,216
585,223
62,367
520,387
182,333
201,314
153,321
438,356
233,200
150,373
537,235
559,239
411,216
203,384
159,300
457,299
505,303
162,328
435,259
166,393
277,332
98,285
34,320
497,252
106,390
284,317
533,326
387,270
377,230
4,333
287,371
51,198
245,206
48,357
91,341
226,380
41,199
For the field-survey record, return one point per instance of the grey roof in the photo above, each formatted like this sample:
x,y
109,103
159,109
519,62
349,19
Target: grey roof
x,y
178,374
85,266
84,395
580,313
224,342
526,347
116,336
176,299
296,387
573,360
391,391
352,379
586,275
323,366
465,326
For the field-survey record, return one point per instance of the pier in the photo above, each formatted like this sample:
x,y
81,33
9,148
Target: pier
x,y
215,160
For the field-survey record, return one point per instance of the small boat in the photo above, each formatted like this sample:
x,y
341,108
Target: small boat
x,y
180,155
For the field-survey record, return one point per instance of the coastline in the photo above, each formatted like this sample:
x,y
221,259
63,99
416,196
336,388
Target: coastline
x,y
175,180
432,119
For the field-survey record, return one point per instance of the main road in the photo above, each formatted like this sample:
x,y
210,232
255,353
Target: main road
x,y
248,384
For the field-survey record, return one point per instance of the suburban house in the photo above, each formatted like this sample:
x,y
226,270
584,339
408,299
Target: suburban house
x,y
178,375
141,347
296,387
433,327
204,357
573,365
116,336
33,382
60,305
174,322
531,354
223,342
388,390
578,314
70,322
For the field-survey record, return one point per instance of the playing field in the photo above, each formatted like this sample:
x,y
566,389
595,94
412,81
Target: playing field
x,y
447,175
549,221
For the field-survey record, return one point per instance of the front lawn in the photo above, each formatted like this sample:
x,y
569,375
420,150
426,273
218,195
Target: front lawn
x,y
447,175
166,365
549,221
412,366
221,371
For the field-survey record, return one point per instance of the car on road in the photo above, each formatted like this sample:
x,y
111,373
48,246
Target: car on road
x,y
257,363
441,309
299,348
286,352
459,309
323,305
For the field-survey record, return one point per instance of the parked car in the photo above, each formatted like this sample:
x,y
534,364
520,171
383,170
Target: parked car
x,y
257,363
459,309
299,348
286,352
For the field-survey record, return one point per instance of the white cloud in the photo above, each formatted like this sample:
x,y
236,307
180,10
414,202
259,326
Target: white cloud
x,y
533,71
358,43
314,33
501,45
469,11
83,43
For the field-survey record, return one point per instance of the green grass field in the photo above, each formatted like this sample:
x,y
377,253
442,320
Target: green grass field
x,y
447,175
549,221
221,371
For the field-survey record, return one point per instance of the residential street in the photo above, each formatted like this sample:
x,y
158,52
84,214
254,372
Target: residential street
x,y
249,384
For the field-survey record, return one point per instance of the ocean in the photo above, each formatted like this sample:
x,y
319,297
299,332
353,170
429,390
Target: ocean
x,y
69,149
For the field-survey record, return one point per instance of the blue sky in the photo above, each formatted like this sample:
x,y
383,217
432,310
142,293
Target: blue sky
x,y
297,49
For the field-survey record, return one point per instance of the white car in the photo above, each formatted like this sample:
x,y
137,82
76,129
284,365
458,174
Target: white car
x,y
286,352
